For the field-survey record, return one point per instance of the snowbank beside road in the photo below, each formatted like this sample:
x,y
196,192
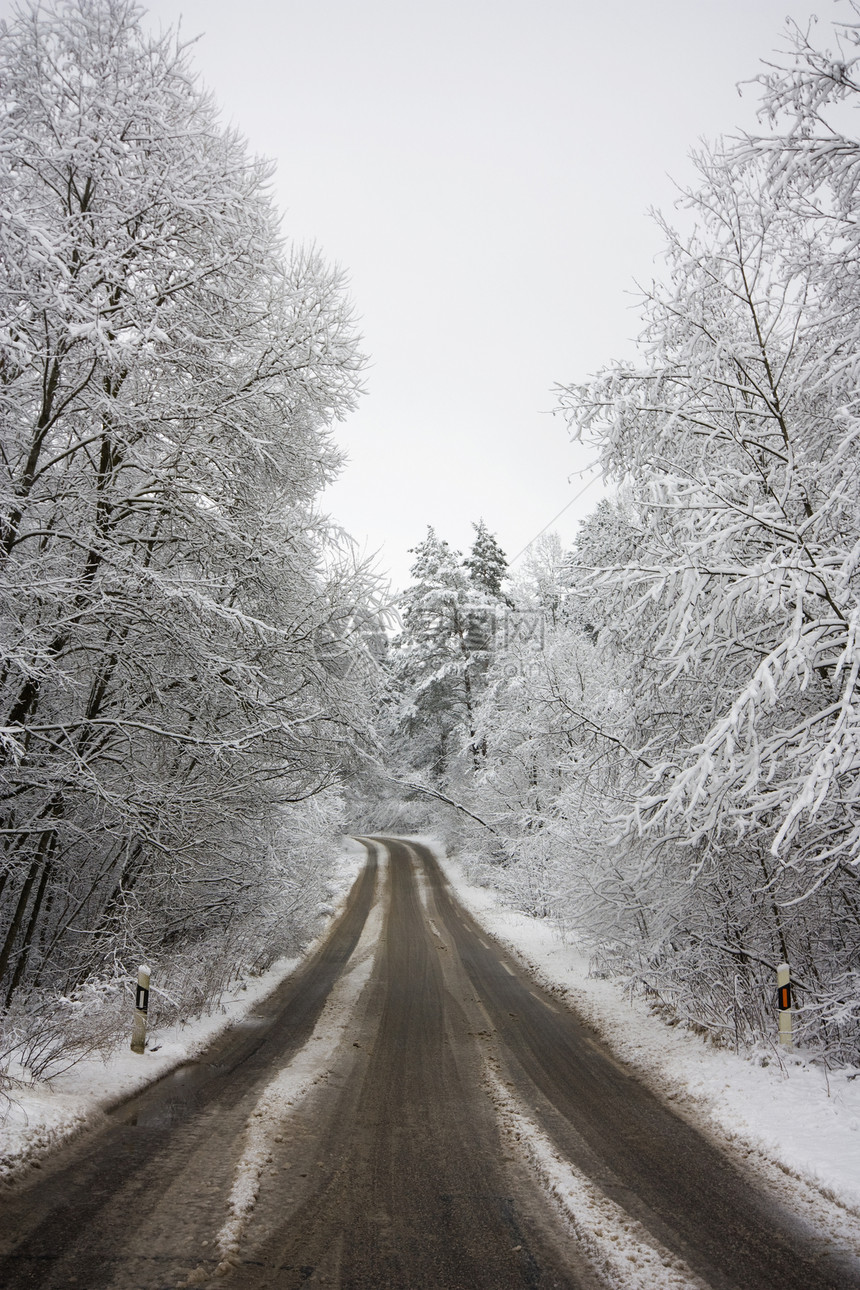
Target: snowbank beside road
x,y
789,1117
41,1117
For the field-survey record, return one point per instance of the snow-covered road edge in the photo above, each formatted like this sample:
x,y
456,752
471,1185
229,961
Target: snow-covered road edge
x,y
623,1253
791,1120
310,1067
43,1117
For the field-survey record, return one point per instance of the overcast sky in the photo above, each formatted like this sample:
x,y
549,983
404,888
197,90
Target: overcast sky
x,y
483,170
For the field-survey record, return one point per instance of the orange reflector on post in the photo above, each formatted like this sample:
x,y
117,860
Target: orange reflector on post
x,y
783,998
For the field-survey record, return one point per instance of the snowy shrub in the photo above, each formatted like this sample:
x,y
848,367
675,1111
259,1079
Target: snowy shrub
x,y
43,1034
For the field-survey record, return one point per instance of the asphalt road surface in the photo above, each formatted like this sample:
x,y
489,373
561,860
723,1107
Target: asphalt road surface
x,y
390,1164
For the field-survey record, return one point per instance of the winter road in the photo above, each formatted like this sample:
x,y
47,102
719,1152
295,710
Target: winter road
x,y
408,1111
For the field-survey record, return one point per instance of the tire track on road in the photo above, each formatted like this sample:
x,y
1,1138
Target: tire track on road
x,y
178,1138
669,1177
412,1190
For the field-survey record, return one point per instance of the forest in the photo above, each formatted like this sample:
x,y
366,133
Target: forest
x,y
651,738
184,684
660,728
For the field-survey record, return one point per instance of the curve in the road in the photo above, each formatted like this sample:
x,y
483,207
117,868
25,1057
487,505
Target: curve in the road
x,y
413,1192
393,1173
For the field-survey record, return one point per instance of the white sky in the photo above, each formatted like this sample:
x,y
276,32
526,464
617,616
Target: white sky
x,y
483,170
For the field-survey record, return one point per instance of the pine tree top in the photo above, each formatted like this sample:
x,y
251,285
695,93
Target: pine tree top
x,y
486,562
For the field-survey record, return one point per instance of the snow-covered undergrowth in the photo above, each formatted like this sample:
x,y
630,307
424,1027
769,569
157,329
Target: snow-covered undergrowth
x,y
616,1245
790,1118
39,1117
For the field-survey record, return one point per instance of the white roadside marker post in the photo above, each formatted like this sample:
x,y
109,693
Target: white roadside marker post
x,y
141,1007
783,992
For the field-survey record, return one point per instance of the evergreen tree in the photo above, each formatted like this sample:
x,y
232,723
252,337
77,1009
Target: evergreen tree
x,y
439,659
487,563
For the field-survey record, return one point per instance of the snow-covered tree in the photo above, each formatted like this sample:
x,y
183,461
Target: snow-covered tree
x,y
556,724
739,433
168,374
486,562
735,441
440,659
433,661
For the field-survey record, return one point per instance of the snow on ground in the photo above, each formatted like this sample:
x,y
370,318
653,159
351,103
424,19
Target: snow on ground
x,y
792,1120
44,1115
616,1245
308,1068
